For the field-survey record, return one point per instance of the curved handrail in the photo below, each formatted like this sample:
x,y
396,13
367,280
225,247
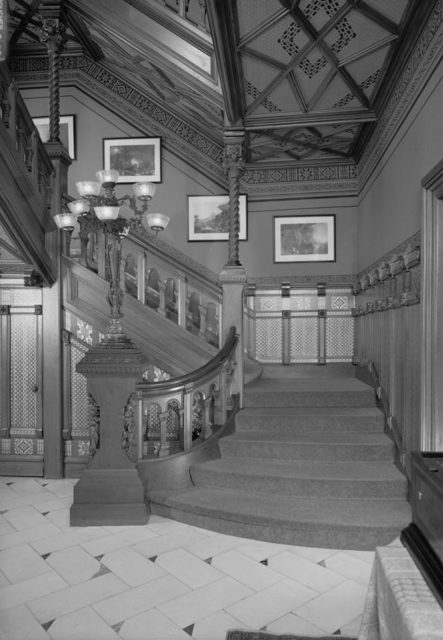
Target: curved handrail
x,y
195,376
173,413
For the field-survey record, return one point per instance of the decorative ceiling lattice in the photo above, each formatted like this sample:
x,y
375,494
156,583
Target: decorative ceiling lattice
x,y
306,79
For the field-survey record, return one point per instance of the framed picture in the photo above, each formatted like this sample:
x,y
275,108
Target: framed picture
x,y
304,238
136,159
208,218
67,131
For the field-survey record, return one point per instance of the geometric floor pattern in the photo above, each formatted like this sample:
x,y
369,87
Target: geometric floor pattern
x,y
163,580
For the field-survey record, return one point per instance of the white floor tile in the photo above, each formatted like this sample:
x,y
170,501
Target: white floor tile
x,y
293,624
53,504
27,590
208,547
188,568
131,567
314,554
25,518
202,602
261,550
3,580
18,623
312,575
76,597
151,625
350,567
26,486
83,624
246,570
22,563
268,605
71,538
59,517
334,608
111,542
134,601
215,626
74,564
162,544
10,540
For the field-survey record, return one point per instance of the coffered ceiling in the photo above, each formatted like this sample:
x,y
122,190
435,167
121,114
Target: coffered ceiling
x,y
305,79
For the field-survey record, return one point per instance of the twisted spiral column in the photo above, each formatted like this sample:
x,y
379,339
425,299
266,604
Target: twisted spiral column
x,y
52,35
233,164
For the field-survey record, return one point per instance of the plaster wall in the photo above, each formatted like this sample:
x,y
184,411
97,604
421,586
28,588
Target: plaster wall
x,y
389,210
180,180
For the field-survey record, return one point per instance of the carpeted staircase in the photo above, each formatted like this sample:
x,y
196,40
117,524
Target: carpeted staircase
x,y
309,464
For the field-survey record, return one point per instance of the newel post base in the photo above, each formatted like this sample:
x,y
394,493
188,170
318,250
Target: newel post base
x,y
109,491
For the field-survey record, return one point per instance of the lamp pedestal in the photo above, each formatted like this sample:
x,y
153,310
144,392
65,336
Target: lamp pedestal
x,y
109,491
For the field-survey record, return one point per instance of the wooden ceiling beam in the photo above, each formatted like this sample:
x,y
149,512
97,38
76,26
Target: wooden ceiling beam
x,y
279,120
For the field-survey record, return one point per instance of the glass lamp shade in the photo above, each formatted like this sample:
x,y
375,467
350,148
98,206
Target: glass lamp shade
x,y
107,175
144,189
107,213
65,220
88,188
157,221
78,207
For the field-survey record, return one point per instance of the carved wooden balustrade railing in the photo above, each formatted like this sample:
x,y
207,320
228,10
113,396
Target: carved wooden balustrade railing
x,y
162,278
170,416
17,120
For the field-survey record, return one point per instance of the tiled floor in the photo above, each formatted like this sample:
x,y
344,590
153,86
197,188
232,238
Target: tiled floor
x,y
161,580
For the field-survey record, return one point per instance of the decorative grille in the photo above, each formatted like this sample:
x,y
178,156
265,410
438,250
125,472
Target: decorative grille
x,y
304,339
339,338
268,335
79,391
24,374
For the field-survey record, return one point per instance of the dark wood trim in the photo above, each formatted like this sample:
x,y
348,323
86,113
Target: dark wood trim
x,y
425,558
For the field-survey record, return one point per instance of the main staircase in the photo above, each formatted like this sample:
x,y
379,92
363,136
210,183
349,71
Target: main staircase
x,y
308,464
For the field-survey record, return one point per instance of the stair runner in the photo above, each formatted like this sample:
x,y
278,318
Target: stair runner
x,y
309,464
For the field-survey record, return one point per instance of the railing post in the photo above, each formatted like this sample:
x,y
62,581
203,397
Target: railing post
x,y
181,302
187,417
164,442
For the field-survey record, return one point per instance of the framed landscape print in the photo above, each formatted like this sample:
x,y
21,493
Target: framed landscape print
x,y
136,159
208,218
304,238
67,131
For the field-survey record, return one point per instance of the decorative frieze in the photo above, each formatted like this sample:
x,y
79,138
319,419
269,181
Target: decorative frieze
x,y
392,282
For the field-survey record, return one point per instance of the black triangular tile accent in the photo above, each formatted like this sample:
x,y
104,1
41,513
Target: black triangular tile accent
x,y
46,555
99,557
45,484
208,560
337,633
153,558
189,629
45,513
2,512
102,571
46,625
265,562
117,626
322,563
265,628
9,484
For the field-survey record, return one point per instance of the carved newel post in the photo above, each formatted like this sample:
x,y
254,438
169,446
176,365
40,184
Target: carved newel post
x,y
233,275
109,490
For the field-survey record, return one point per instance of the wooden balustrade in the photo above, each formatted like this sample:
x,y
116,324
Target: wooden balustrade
x,y
20,126
173,414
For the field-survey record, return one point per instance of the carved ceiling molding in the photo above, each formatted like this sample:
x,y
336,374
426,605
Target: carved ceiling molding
x,y
178,136
418,69
196,148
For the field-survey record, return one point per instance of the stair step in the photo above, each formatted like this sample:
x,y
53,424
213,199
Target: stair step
x,y
289,446
281,392
318,522
309,420
312,478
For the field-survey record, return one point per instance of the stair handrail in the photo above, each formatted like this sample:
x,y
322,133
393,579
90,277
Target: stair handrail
x,y
173,413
